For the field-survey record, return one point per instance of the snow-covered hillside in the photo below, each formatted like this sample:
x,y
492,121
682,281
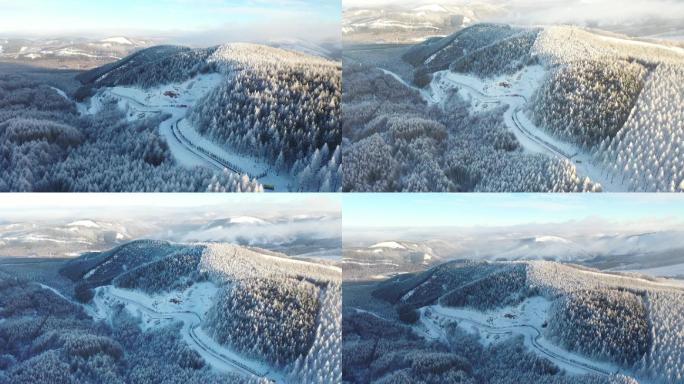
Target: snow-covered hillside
x,y
64,240
226,299
582,321
579,108
293,148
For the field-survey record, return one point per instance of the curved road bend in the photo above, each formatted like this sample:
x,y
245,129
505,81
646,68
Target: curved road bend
x,y
509,330
175,131
513,121
534,340
192,320
485,98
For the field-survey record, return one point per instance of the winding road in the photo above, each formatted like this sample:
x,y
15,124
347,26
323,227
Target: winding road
x,y
511,116
529,136
211,159
205,155
191,323
531,333
202,153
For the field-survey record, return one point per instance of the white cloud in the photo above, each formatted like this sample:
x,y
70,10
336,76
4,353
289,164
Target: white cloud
x,y
558,11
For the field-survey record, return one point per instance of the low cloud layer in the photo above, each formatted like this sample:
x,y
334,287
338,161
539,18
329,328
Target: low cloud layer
x,y
277,233
598,12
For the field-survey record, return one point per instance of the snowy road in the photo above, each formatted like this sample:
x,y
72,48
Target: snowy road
x,y
530,137
220,358
533,339
430,328
172,122
201,153
186,144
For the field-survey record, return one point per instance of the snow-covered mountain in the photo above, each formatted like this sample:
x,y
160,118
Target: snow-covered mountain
x,y
411,23
215,290
62,239
592,102
389,257
205,91
507,317
615,249
78,53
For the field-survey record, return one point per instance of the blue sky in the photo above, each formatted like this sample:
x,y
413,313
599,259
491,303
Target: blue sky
x,y
463,210
177,18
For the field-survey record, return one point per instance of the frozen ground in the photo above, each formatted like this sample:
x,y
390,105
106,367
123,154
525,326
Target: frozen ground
x,y
188,307
188,147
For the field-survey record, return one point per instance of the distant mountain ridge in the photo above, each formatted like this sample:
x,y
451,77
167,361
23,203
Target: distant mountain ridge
x,y
411,24
73,53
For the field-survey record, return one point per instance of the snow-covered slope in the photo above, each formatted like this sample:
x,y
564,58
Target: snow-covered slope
x,y
583,320
84,223
118,40
328,51
599,129
388,244
293,148
227,298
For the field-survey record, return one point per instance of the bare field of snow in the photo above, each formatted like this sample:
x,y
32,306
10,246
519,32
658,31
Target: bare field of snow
x,y
388,244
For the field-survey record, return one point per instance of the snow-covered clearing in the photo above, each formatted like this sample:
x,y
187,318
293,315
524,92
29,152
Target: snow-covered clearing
x,y
515,91
188,307
188,147
526,319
